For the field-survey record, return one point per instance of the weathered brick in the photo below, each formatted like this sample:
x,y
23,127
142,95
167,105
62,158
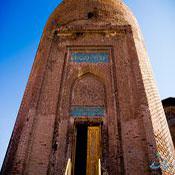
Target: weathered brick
x,y
43,137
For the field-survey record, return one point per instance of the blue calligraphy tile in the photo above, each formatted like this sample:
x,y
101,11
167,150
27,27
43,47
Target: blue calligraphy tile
x,y
78,111
90,57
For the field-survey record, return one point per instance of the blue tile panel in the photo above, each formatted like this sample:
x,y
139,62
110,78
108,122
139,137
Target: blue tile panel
x,y
90,57
79,111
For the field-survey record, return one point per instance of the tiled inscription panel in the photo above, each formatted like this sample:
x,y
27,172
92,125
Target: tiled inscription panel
x,y
79,111
100,57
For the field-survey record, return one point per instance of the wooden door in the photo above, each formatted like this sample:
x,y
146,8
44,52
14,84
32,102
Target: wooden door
x,y
93,150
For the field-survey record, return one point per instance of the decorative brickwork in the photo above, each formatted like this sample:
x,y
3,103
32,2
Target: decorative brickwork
x,y
91,56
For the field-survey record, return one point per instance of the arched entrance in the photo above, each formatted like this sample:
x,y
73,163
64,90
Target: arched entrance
x,y
88,110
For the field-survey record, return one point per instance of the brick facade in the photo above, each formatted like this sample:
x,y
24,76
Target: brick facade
x,y
43,136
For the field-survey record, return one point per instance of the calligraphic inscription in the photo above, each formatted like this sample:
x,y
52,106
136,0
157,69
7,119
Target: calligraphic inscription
x,y
101,57
78,111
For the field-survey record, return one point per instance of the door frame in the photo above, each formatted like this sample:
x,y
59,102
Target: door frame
x,y
88,121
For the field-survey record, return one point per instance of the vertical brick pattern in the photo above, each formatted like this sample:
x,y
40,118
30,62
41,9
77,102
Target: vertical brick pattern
x,y
160,126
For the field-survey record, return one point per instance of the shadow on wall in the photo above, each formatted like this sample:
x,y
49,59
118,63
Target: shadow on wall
x,y
169,108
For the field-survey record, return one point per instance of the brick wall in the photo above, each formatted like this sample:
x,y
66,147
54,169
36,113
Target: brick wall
x,y
43,137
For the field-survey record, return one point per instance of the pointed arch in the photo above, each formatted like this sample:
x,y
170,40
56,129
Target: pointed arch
x,y
88,90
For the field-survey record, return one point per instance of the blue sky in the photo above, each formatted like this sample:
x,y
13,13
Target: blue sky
x,y
21,27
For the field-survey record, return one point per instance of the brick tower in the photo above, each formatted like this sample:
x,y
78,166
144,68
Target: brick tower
x,y
91,103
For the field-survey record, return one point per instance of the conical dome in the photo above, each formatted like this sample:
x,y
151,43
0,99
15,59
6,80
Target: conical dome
x,y
89,12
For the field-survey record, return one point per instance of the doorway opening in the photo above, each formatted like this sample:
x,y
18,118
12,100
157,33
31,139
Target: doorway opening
x,y
88,149
81,150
